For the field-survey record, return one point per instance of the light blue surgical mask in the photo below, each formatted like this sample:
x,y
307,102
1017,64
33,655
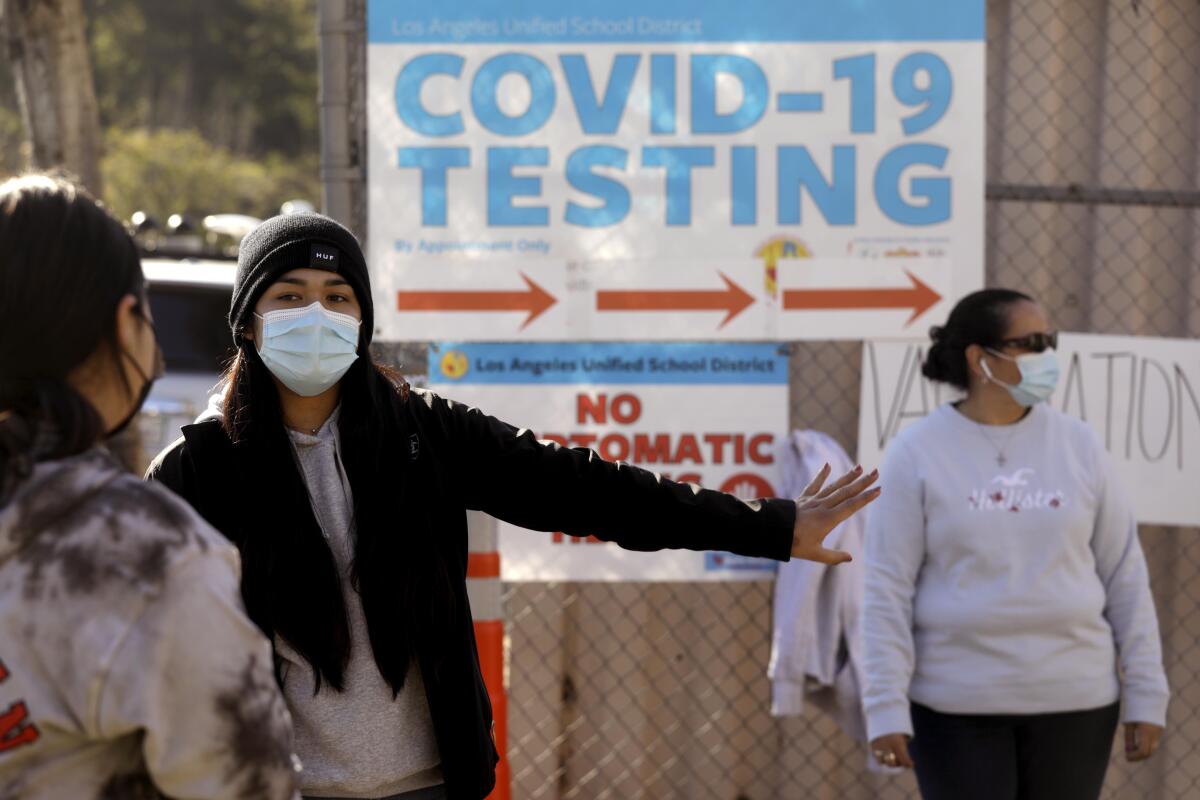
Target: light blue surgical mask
x,y
308,349
1039,376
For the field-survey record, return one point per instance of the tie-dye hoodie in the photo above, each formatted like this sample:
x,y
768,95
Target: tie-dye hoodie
x,y
128,669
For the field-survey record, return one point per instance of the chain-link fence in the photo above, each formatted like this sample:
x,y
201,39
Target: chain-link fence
x,y
659,690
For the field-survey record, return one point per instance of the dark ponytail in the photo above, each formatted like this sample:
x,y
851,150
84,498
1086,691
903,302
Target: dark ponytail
x,y
65,264
979,318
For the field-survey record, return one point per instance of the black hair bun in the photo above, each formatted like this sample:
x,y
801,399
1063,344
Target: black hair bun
x,y
934,366
977,318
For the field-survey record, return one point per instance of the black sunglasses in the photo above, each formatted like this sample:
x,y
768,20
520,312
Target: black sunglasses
x,y
1034,342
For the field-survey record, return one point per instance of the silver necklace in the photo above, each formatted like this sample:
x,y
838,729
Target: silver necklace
x,y
1001,457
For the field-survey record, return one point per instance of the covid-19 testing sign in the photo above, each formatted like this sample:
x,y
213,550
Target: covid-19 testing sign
x,y
672,169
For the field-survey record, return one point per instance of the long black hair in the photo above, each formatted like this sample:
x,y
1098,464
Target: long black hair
x,y
65,264
290,581
979,318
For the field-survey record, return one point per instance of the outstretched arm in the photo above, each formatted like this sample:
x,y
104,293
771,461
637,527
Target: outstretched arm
x,y
508,473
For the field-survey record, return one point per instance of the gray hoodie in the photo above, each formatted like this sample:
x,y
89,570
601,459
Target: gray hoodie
x,y
127,665
365,741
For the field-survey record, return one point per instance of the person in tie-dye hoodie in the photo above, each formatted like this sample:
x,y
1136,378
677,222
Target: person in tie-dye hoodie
x,y
128,667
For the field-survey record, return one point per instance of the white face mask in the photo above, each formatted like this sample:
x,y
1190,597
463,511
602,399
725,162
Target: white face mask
x,y
308,349
1039,376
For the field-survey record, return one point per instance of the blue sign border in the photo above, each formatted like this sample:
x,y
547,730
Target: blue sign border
x,y
586,363
631,21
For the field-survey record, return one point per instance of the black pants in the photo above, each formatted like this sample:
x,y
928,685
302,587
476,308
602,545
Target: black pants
x,y
1012,757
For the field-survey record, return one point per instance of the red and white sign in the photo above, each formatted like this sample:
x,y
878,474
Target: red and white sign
x,y
707,414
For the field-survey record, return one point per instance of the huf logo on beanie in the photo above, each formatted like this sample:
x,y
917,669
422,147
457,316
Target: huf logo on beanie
x,y
323,256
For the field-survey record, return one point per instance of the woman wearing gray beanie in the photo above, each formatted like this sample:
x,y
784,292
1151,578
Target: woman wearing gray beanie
x,y
346,492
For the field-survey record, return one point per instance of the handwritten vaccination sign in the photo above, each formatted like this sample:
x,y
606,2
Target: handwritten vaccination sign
x,y
707,414
673,170
1140,394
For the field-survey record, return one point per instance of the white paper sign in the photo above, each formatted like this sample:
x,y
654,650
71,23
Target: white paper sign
x,y
1140,394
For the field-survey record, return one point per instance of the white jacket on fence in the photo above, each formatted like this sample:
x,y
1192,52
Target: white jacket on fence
x,y
816,642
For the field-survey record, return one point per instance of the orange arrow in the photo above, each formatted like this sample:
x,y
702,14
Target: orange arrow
x,y
733,299
535,300
919,297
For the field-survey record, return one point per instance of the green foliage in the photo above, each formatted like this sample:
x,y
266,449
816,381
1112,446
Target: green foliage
x,y
164,172
242,72
210,107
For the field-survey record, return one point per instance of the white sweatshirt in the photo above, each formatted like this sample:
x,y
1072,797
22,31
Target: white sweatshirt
x,y
1008,589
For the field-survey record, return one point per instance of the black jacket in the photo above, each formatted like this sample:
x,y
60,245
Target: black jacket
x,y
480,463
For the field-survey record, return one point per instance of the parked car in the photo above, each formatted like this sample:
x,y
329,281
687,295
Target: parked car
x,y
190,302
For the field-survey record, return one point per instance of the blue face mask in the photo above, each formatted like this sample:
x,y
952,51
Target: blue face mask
x,y
308,349
1039,376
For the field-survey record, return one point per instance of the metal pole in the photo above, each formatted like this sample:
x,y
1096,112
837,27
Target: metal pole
x,y
338,170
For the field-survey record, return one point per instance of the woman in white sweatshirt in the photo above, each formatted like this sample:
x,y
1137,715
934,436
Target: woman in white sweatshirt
x,y
1008,608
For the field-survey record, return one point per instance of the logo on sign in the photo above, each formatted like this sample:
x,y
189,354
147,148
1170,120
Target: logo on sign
x,y
455,364
729,562
773,251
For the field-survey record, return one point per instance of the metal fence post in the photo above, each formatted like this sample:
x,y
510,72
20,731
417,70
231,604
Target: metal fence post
x,y
338,169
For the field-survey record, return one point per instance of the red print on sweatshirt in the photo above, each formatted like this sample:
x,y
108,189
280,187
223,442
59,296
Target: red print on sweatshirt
x,y
15,729
1016,493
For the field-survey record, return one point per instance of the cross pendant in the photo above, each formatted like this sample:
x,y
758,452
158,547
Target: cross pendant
x,y
1001,460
